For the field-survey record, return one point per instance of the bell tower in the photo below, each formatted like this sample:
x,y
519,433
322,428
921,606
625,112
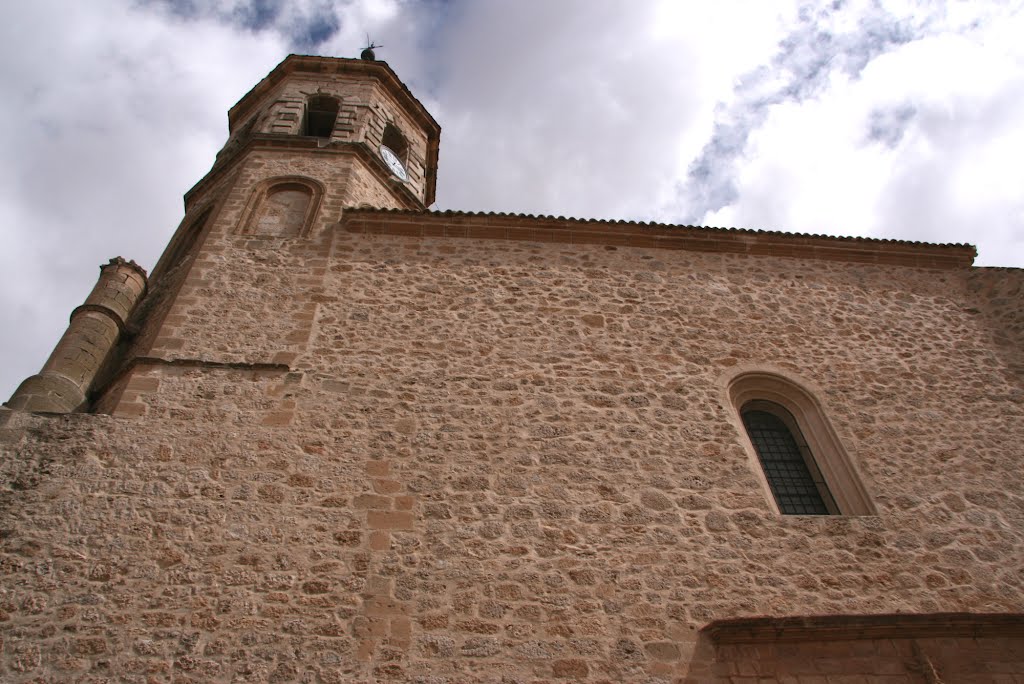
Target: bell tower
x,y
238,284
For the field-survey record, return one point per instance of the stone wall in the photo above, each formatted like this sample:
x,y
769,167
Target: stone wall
x,y
438,459
999,296
229,279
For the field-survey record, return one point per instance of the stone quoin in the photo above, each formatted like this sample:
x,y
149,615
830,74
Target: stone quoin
x,y
335,436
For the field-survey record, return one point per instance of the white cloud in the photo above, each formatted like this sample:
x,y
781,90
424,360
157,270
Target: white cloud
x,y
953,106
582,108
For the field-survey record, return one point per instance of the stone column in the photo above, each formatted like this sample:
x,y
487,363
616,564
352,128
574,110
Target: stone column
x,y
63,383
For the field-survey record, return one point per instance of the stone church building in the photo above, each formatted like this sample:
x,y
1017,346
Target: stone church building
x,y
337,437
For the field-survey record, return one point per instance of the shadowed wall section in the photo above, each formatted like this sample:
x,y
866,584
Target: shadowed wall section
x,y
894,649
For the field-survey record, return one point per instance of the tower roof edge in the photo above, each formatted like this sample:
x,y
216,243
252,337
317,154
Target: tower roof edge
x,y
328,65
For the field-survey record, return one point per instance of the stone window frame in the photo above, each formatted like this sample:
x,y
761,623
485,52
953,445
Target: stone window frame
x,y
247,226
807,419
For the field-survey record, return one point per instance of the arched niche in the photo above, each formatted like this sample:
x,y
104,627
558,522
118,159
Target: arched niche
x,y
285,206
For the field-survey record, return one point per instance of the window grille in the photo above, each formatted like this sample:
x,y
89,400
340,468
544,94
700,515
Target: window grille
x,y
796,484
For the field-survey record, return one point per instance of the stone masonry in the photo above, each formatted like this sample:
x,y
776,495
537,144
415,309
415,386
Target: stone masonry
x,y
448,447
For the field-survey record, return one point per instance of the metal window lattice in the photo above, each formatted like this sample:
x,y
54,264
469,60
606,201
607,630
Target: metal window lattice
x,y
788,476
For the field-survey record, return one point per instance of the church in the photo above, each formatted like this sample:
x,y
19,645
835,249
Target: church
x,y
334,436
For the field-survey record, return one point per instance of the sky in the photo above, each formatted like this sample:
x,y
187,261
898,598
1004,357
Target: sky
x,y
884,118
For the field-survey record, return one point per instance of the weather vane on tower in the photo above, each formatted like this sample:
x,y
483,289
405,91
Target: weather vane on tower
x,y
367,52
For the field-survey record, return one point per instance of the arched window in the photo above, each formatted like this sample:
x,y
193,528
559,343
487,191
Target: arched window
x,y
803,463
793,476
321,113
282,207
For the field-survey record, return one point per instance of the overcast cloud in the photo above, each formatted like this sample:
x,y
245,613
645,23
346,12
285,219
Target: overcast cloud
x,y
897,119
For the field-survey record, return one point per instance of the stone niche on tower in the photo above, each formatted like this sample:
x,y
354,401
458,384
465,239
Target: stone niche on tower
x,y
349,125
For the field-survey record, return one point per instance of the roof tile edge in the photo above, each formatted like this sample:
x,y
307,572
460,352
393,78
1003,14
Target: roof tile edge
x,y
526,227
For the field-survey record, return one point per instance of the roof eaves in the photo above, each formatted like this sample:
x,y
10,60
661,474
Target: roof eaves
x,y
663,226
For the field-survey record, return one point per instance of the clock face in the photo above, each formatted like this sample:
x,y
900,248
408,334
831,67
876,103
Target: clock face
x,y
393,162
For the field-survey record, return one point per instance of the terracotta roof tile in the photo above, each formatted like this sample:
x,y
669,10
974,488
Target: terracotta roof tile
x,y
653,224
